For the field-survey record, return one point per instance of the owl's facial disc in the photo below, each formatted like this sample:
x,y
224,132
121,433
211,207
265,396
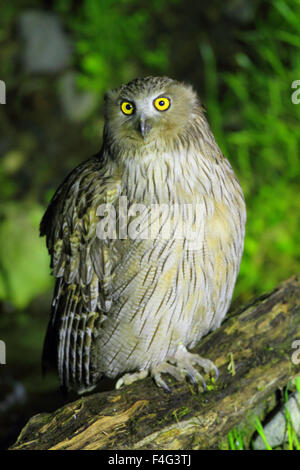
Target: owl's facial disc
x,y
150,110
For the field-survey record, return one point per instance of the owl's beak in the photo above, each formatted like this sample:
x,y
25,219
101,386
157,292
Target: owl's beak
x,y
145,127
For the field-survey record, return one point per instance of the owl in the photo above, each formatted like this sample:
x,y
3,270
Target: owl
x,y
146,240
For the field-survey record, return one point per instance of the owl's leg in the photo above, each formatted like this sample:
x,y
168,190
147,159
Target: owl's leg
x,y
128,379
181,365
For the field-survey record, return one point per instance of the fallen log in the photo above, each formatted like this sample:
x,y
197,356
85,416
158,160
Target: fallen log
x,y
254,350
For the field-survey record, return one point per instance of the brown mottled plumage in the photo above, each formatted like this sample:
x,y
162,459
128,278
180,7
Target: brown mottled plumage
x,y
134,305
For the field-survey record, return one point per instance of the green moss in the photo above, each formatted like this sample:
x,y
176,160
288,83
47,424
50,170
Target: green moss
x,y
180,413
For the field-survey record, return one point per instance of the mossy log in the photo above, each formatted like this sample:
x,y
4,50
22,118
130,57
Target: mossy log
x,y
253,350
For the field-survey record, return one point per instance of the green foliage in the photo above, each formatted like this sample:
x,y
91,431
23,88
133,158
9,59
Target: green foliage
x,y
113,42
24,266
257,127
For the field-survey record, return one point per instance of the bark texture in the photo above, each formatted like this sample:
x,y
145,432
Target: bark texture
x,y
255,354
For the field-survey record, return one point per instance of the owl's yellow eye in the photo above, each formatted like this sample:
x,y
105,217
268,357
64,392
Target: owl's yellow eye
x,y
127,107
162,103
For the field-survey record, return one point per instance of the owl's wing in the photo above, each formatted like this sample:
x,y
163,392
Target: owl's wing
x,y
82,264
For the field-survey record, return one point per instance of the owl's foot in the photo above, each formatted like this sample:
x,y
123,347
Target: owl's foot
x,y
181,365
128,379
166,368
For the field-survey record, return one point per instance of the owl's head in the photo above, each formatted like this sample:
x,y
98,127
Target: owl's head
x,y
149,109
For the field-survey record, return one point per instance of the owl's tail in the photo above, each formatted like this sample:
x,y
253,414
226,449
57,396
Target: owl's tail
x,y
69,338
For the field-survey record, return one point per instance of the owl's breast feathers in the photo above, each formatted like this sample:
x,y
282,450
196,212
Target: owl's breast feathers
x,y
86,267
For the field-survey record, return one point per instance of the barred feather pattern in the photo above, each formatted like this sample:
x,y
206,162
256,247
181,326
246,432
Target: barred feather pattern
x,y
123,305
78,262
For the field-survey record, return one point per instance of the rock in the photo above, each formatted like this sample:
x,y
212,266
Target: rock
x,y
77,105
276,429
46,47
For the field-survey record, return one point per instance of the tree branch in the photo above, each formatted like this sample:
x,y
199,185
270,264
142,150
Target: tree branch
x,y
253,351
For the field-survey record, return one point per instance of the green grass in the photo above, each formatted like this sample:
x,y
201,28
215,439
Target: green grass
x,y
293,441
235,437
261,432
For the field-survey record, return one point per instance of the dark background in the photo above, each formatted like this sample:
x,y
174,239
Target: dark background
x,y
57,58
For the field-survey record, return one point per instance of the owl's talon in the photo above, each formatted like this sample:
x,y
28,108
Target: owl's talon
x,y
128,379
197,378
217,373
166,388
204,385
192,378
184,362
185,357
193,381
119,384
165,368
180,366
161,383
